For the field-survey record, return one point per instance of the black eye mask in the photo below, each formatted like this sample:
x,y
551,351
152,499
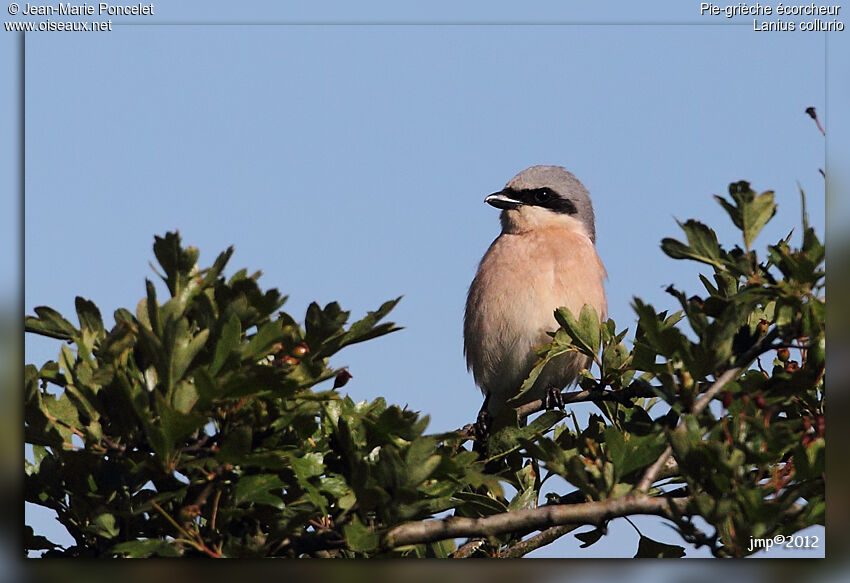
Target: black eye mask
x,y
542,197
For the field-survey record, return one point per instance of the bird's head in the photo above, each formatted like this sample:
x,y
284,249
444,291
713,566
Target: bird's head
x,y
544,196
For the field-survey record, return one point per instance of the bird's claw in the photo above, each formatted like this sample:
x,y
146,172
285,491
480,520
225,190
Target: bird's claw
x,y
553,399
482,426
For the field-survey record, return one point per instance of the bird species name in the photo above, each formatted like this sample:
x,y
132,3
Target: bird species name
x,y
758,9
781,9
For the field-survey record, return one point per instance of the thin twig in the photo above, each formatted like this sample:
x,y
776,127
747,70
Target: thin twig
x,y
467,549
542,539
814,115
215,509
652,472
193,539
765,344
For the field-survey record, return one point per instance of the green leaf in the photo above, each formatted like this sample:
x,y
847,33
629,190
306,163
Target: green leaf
x,y
49,322
261,343
750,212
177,262
120,339
527,496
585,331
648,548
62,409
702,244
641,451
235,445
320,323
186,348
307,466
104,525
90,318
227,343
589,322
479,504
359,537
175,425
553,351
139,549
422,471
329,323
616,447
256,490
541,423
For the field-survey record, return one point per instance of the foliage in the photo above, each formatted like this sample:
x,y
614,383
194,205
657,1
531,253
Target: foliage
x,y
195,427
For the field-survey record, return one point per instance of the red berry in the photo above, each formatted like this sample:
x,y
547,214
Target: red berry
x,y
783,354
760,402
342,379
727,399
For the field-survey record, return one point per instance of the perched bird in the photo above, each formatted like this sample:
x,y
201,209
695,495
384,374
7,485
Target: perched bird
x,y
543,259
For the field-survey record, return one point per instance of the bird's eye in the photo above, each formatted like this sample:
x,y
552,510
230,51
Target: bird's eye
x,y
542,195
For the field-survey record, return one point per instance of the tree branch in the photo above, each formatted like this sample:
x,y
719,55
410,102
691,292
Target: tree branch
x,y
624,396
531,519
549,535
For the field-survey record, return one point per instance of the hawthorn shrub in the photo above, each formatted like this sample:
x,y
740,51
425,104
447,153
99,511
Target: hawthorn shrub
x,y
204,424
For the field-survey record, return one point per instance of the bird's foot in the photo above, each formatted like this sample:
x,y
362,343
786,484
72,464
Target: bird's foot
x,y
482,426
553,399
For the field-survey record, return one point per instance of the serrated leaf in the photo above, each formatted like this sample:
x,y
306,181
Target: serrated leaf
x,y
702,244
227,343
320,324
89,316
616,446
480,504
261,343
359,537
49,322
185,350
757,215
583,334
104,525
750,212
140,549
177,262
365,329
528,383
256,490
307,466
526,497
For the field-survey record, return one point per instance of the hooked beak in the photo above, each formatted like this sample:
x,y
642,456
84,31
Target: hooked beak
x,y
501,201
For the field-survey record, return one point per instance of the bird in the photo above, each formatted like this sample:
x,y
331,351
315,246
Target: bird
x,y
544,258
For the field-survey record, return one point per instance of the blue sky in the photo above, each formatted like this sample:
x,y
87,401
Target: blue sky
x,y
350,162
